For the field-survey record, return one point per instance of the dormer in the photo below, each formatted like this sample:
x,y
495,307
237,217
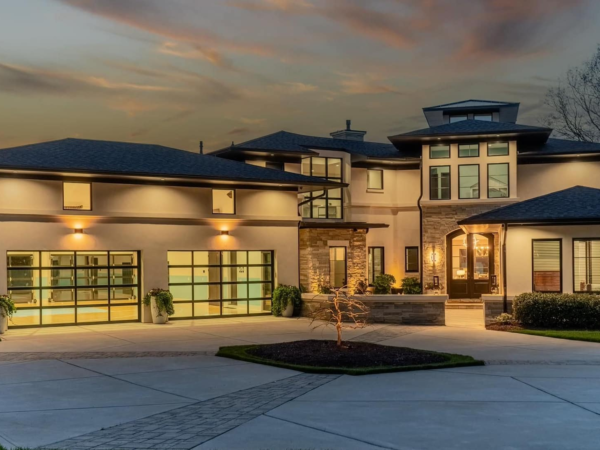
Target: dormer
x,y
485,110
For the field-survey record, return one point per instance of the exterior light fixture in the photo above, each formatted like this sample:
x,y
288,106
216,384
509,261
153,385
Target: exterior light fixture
x,y
224,232
433,257
436,282
78,231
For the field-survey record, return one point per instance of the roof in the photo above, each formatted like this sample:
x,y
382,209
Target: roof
x,y
467,127
292,142
470,104
560,147
578,204
129,159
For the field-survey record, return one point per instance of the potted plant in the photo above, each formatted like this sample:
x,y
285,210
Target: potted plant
x,y
285,300
7,309
161,305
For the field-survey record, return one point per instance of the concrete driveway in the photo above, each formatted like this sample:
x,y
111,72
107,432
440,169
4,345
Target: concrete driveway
x,y
64,388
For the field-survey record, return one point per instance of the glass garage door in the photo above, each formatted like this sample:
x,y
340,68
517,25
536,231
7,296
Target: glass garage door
x,y
221,283
57,288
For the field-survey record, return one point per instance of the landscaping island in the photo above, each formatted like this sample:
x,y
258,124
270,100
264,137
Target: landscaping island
x,y
353,358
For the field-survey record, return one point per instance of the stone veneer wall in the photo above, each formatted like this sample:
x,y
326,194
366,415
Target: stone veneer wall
x,y
314,255
438,222
397,309
493,306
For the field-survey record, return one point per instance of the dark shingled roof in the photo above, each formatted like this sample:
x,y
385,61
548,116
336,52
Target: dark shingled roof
x,y
573,205
560,147
473,127
472,103
292,142
123,158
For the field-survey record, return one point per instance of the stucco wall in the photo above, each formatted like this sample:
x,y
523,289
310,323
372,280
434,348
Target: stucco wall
x,y
519,253
154,241
45,197
541,179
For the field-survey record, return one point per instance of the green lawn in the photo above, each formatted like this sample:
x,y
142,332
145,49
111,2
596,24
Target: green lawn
x,y
574,335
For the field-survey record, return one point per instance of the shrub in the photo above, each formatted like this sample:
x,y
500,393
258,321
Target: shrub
x,y
383,283
282,296
574,311
505,319
7,306
411,285
361,287
164,300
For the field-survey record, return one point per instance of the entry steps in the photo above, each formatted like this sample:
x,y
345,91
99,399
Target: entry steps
x,y
465,313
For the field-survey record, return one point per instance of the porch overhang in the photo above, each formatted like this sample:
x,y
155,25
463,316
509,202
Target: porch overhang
x,y
481,228
343,225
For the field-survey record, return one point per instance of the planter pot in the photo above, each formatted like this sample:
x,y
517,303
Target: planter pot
x,y
157,317
289,310
3,324
146,314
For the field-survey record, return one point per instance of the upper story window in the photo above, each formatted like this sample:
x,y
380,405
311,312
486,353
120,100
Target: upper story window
x,y
223,201
439,183
319,204
77,196
497,148
498,181
375,179
458,118
484,117
439,151
468,150
468,181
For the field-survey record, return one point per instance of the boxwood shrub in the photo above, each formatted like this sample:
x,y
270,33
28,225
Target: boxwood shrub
x,y
572,311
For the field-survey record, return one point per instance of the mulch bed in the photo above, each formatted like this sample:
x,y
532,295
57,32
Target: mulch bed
x,y
319,353
503,327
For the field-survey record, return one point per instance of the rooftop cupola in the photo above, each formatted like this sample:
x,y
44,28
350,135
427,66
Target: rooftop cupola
x,y
349,134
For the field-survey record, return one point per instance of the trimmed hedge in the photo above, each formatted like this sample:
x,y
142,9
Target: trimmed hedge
x,y
573,311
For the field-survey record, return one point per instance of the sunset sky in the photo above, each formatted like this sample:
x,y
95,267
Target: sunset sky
x,y
175,72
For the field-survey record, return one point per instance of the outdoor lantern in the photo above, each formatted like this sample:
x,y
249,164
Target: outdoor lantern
x,y
494,279
433,257
436,282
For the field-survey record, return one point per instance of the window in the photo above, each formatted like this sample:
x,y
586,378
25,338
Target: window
x,y
221,283
547,265
498,181
411,261
375,179
484,117
439,187
320,204
223,201
77,196
497,148
275,165
439,151
586,265
468,181
458,118
376,263
337,267
468,150
62,287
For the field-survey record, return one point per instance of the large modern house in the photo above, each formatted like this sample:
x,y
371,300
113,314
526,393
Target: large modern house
x,y
474,203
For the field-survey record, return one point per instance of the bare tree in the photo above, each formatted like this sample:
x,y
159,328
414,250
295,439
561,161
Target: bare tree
x,y
575,102
342,312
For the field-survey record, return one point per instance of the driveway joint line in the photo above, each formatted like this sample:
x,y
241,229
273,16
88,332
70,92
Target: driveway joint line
x,y
131,382
330,432
556,396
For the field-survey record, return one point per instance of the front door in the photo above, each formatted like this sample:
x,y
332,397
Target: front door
x,y
470,264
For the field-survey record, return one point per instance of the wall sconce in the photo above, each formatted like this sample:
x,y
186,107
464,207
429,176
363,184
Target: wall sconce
x,y
436,282
224,232
78,231
494,280
433,257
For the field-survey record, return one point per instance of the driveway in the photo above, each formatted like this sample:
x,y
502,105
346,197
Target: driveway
x,y
146,386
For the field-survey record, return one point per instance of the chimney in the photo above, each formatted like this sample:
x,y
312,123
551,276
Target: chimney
x,y
349,134
202,147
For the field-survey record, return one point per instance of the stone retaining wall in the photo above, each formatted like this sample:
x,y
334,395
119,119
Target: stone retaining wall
x,y
398,309
494,306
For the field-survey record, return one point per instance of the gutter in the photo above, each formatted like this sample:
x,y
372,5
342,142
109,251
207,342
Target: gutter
x,y
504,273
420,228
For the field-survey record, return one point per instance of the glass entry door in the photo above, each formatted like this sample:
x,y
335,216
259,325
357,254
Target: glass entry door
x,y
470,264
